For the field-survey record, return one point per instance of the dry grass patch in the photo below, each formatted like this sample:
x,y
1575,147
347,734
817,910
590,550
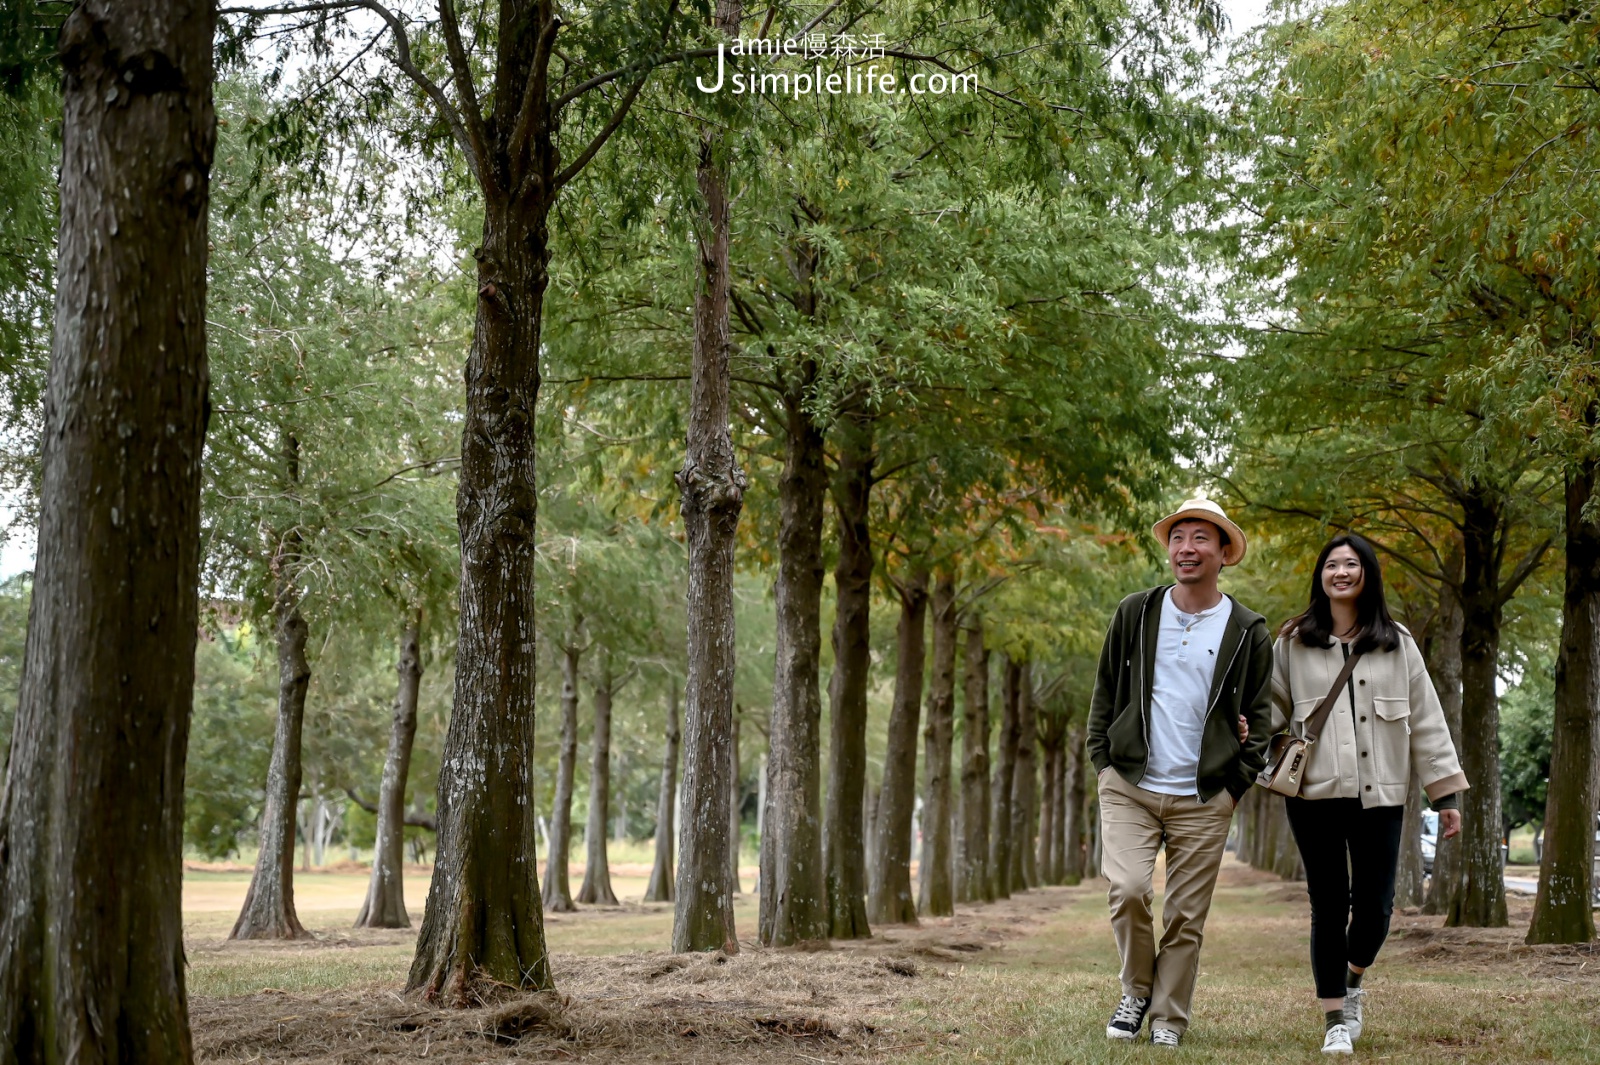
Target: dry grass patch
x,y
1028,980
753,1007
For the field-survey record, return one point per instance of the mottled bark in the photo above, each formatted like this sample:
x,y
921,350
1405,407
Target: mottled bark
x,y
91,817
889,898
844,842
794,902
1025,786
973,882
1479,899
712,487
660,887
1001,823
1444,668
936,895
385,905
1563,911
557,894
596,886
268,911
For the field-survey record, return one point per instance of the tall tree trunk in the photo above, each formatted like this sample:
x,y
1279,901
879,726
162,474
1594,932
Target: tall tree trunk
x,y
1052,742
385,906
1075,866
1024,785
596,887
91,818
935,897
660,887
1410,881
1000,820
712,486
844,842
973,880
735,801
1479,899
794,901
484,918
1265,840
268,911
1444,667
890,900
1562,912
557,895
1043,860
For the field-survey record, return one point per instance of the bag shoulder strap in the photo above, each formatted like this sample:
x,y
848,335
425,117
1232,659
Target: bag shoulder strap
x,y
1319,716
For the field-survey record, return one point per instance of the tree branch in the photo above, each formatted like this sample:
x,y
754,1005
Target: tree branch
x,y
604,135
466,87
1524,570
412,818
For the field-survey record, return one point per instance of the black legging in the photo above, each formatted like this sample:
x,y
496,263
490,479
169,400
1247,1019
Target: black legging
x,y
1349,909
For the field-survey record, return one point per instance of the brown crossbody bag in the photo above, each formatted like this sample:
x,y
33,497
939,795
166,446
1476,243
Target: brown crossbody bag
x,y
1286,756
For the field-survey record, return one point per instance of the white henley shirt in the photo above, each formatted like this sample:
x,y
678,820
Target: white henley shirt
x,y
1186,659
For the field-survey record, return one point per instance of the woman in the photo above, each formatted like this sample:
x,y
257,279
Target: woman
x,y
1383,736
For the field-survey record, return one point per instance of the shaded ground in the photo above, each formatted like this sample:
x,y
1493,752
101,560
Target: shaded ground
x,y
1031,979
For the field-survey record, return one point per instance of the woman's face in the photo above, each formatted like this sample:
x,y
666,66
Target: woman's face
x,y
1342,576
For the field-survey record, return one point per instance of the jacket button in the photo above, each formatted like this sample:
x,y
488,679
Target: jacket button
x,y
1363,717
1369,787
1361,681
1363,754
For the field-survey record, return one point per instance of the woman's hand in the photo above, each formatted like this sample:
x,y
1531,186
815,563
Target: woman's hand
x,y
1449,824
1244,730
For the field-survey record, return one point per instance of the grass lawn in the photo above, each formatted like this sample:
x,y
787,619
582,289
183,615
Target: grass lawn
x,y
1028,980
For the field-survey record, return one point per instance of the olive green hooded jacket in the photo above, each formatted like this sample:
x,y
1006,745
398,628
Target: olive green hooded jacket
x,y
1119,716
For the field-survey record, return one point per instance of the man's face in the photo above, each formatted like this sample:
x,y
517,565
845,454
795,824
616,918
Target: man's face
x,y
1194,548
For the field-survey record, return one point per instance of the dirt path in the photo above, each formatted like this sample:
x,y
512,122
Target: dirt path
x,y
844,1003
1027,980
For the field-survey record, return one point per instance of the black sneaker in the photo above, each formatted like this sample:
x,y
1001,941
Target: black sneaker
x,y
1129,1017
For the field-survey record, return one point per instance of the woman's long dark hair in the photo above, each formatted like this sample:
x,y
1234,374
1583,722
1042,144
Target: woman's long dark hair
x,y
1376,630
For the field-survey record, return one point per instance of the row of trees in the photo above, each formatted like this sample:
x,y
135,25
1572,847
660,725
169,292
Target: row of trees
x,y
1420,222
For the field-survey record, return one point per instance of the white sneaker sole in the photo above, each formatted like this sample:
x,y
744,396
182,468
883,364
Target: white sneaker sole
x,y
1338,1050
1118,1033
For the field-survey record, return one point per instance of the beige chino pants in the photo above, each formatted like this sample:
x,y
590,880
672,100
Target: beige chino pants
x,y
1133,823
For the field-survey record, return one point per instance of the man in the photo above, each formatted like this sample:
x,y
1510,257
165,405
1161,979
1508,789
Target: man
x,y
1178,730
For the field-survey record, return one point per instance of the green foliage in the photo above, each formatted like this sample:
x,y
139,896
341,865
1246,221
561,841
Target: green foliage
x,y
15,595
1527,720
230,739
30,145
331,439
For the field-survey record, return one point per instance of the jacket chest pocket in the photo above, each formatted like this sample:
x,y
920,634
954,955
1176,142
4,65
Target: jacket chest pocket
x,y
1391,739
1303,709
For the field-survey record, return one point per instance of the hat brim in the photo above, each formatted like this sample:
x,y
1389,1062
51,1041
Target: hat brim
x,y
1232,552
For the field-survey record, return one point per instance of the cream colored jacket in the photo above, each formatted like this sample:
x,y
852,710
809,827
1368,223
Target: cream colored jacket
x,y
1396,730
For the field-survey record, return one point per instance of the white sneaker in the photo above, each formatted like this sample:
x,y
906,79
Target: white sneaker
x,y
1129,1016
1337,1041
1163,1037
1352,1010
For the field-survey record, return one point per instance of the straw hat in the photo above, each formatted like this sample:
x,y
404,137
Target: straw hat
x,y
1204,510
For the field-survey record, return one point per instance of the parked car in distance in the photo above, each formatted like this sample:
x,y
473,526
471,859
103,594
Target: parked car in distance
x,y
1430,837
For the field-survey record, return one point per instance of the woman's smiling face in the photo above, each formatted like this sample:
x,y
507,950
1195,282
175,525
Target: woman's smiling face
x,y
1342,575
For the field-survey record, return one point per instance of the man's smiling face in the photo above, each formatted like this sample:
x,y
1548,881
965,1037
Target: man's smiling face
x,y
1194,549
